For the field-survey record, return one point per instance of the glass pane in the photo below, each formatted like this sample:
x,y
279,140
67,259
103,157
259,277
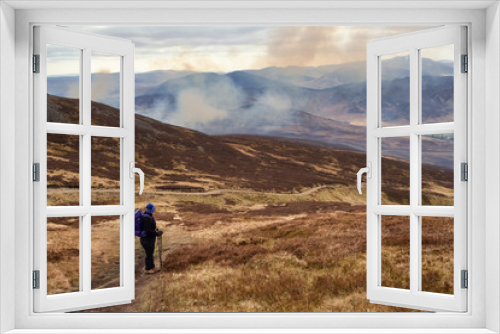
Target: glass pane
x,y
437,170
63,170
395,233
395,89
395,169
105,78
437,84
63,255
105,252
437,254
105,171
63,84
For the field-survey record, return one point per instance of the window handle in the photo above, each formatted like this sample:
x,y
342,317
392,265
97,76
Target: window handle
x,y
134,171
368,171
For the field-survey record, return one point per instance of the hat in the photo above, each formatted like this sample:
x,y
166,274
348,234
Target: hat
x,y
150,208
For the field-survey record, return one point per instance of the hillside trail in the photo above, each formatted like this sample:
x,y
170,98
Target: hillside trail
x,y
177,237
173,238
245,191
208,193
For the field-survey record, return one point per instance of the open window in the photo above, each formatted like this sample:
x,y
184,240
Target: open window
x,y
69,203
416,193
482,240
405,212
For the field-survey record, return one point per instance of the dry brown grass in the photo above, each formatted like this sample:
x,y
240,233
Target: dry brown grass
x,y
63,255
105,252
437,254
395,269
267,248
251,253
242,253
271,261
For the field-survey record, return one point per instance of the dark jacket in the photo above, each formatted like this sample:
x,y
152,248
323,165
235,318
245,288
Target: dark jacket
x,y
149,225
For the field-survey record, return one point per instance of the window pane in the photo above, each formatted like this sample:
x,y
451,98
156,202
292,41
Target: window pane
x,y
105,171
437,254
437,84
63,170
395,89
105,80
63,80
395,233
63,255
395,168
105,252
437,170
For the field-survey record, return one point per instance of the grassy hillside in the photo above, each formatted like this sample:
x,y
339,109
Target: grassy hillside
x,y
251,223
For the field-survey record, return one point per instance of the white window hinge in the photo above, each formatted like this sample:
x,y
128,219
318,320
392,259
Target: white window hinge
x,y
465,64
36,279
465,279
464,172
36,63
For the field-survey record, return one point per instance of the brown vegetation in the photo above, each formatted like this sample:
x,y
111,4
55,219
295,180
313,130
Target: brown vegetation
x,y
291,237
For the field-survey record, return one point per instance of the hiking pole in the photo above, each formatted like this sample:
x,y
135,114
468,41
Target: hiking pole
x,y
160,248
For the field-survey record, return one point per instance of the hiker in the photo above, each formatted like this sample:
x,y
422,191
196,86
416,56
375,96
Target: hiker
x,y
148,241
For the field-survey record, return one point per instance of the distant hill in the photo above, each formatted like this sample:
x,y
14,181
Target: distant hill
x,y
319,77
225,101
328,76
174,155
272,102
332,91
437,100
67,86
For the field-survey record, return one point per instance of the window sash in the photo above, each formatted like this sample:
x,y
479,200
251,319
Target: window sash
x,y
86,297
413,298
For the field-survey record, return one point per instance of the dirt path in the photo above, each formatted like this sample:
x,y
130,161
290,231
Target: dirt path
x,y
244,191
208,193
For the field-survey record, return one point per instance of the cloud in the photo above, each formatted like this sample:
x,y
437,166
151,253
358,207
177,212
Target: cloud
x,y
316,46
155,37
230,48
184,60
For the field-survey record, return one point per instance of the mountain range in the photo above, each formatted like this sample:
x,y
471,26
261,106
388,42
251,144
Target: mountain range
x,y
325,104
176,156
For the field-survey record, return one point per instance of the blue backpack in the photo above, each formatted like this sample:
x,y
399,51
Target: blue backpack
x,y
139,232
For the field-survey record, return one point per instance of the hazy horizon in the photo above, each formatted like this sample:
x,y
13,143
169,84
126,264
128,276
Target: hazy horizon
x,y
222,72
224,49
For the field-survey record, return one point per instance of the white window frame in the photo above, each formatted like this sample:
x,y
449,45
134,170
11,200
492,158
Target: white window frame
x,y
413,43
484,101
123,50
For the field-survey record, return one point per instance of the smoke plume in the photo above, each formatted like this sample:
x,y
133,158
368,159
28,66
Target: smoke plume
x,y
223,108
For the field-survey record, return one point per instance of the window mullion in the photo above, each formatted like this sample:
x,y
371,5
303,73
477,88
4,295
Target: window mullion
x,y
414,169
86,177
392,131
434,129
422,129
81,171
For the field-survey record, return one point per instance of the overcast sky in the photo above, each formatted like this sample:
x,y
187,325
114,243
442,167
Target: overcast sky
x,y
230,48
